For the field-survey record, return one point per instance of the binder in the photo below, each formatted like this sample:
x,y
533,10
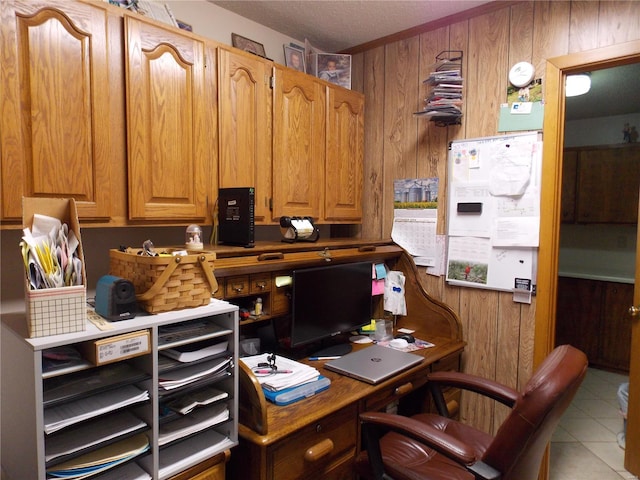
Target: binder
x,y
300,392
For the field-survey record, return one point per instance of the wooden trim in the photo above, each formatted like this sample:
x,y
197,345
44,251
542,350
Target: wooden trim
x,y
553,134
434,25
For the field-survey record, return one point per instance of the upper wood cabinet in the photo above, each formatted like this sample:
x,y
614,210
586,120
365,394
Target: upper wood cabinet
x,y
345,155
58,92
607,179
318,149
299,133
244,126
171,110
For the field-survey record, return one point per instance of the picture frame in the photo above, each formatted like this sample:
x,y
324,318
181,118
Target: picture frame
x,y
331,67
294,58
248,45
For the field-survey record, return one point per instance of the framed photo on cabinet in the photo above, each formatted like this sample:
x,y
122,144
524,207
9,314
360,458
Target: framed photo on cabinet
x,y
247,45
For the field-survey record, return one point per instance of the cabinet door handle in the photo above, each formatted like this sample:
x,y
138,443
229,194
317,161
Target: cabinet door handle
x,y
403,389
319,450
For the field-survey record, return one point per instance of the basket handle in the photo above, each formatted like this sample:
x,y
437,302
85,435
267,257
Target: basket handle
x,y
213,283
160,281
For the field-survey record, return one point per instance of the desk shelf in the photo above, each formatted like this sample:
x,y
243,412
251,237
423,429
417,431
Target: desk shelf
x,y
28,394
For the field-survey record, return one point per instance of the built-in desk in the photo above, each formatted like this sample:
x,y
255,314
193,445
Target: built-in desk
x,y
319,437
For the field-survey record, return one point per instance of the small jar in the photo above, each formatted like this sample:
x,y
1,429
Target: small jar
x,y
258,307
193,238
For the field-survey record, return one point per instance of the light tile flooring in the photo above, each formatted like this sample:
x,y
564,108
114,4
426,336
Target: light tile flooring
x,y
584,445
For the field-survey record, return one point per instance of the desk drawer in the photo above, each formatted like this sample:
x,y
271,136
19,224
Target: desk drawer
x,y
397,390
260,283
319,449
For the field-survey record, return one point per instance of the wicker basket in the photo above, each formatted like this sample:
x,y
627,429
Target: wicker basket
x,y
166,283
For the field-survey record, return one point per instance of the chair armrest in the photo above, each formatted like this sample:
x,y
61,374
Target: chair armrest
x,y
376,424
486,387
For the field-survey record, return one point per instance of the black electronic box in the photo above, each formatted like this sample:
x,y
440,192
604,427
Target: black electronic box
x,y
236,216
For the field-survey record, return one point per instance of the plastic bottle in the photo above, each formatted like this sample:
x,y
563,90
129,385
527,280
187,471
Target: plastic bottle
x,y
258,307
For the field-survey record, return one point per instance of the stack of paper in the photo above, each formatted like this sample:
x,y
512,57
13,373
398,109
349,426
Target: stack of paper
x,y
102,459
56,418
91,434
195,351
194,422
185,376
299,373
190,401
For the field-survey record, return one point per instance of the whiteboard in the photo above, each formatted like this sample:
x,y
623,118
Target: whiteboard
x,y
493,211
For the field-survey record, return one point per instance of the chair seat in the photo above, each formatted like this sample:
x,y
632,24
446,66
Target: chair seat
x,y
408,459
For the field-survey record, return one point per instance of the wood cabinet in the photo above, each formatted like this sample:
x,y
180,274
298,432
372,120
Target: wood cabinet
x,y
318,145
345,156
59,106
170,86
33,397
593,316
299,135
244,126
607,182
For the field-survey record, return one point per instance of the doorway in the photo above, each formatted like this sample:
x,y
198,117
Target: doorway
x,y
554,135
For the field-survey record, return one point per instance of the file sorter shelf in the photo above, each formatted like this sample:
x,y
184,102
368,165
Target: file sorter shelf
x,y
23,453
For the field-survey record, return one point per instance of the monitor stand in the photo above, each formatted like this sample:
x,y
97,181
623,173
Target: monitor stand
x,y
335,350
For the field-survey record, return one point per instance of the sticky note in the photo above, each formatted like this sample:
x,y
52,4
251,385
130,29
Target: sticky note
x,y
381,272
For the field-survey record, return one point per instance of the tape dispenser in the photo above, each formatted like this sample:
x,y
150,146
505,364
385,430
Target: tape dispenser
x,y
299,229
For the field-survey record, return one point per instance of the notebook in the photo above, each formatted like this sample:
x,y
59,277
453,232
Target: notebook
x,y
373,364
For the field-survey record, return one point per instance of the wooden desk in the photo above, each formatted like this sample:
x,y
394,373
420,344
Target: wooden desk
x,y
319,437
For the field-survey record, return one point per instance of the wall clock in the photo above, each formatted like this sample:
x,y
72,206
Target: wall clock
x,y
521,74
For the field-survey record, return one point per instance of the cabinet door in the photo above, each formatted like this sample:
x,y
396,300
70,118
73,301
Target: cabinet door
x,y
569,173
616,326
578,315
298,144
608,181
244,124
171,136
345,155
55,122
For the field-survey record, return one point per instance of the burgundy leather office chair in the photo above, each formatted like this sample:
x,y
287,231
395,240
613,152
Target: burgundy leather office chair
x,y
434,447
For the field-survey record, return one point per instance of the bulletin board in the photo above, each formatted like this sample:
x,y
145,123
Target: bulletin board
x,y
494,212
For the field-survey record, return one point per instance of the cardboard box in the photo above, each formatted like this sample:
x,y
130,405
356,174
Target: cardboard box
x,y
53,311
116,348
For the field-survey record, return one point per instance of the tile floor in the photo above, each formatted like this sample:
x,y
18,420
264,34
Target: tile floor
x,y
584,445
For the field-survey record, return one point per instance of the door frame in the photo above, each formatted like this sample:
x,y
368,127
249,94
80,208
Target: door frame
x,y
553,143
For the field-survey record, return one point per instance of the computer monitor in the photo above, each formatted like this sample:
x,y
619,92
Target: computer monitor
x,y
330,300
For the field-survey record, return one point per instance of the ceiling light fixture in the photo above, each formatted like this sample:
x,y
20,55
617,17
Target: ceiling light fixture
x,y
577,84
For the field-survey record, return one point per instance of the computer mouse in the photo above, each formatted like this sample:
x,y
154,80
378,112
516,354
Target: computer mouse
x,y
406,336
398,343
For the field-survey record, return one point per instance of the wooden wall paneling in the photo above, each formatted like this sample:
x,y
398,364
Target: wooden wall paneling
x,y
400,128
357,72
521,34
508,347
618,22
582,24
480,309
488,63
458,40
373,80
550,33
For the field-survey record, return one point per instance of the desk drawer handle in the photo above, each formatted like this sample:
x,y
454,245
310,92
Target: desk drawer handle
x,y
319,450
403,389
238,287
261,285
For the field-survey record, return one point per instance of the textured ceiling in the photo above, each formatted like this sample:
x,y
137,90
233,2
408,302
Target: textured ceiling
x,y
333,26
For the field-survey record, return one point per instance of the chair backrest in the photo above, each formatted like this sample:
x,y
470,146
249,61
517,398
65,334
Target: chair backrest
x,y
520,442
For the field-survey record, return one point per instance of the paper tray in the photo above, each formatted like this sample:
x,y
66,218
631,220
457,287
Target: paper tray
x,y
293,394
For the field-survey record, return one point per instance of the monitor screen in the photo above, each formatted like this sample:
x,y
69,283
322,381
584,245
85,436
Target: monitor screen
x,y
330,300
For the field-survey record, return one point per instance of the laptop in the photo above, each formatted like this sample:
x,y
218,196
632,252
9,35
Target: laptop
x,y
373,364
